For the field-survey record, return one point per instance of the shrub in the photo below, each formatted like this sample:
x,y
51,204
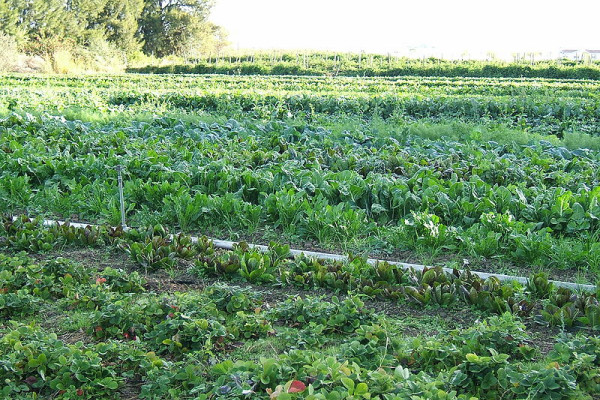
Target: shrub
x,y
9,54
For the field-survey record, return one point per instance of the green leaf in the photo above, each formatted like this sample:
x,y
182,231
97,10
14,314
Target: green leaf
x,y
348,384
361,388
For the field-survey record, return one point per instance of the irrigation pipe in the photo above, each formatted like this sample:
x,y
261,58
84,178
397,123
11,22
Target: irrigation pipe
x,y
228,245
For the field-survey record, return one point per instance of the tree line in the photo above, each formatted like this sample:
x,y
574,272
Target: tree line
x,y
155,27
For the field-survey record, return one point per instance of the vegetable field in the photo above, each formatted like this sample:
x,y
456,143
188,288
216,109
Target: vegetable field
x,y
491,174
335,64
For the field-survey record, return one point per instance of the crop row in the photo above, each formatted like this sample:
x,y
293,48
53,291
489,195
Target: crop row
x,y
550,107
429,86
154,249
376,65
542,114
178,345
528,203
550,115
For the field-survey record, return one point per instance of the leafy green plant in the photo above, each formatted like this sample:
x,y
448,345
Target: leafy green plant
x,y
550,382
28,234
479,374
118,280
153,254
40,363
180,334
580,355
539,286
257,267
250,325
341,316
18,303
232,299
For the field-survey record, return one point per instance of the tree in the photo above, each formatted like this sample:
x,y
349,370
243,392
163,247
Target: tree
x,y
49,18
114,21
9,19
47,24
8,52
119,21
160,27
169,26
209,38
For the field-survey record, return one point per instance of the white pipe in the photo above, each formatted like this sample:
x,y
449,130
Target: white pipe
x,y
228,245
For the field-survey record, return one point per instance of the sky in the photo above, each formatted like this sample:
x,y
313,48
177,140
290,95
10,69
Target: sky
x,y
443,27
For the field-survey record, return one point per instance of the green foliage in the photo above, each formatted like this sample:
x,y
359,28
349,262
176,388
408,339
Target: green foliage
x,y
18,303
372,360
24,234
250,325
580,355
39,362
120,281
371,180
159,250
357,189
477,374
539,286
337,316
24,284
347,64
505,333
181,333
49,27
550,382
232,299
171,27
567,309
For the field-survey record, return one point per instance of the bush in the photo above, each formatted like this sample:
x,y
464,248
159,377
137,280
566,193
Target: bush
x,y
9,54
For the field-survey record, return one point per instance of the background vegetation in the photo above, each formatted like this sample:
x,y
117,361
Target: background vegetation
x,y
340,64
101,34
175,36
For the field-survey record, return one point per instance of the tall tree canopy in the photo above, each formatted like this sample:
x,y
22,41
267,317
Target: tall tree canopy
x,y
168,26
158,27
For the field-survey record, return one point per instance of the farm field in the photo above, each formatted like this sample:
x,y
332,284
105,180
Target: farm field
x,y
336,64
490,174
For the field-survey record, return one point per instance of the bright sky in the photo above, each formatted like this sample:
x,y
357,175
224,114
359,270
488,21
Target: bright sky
x,y
443,26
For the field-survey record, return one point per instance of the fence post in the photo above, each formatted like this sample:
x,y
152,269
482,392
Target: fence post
x,y
121,197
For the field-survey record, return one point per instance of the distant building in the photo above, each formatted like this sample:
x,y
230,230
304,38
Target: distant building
x,y
576,55
570,54
593,55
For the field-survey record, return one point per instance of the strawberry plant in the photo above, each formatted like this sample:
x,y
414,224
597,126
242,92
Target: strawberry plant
x,y
340,316
549,382
481,372
250,325
180,334
117,280
232,299
42,364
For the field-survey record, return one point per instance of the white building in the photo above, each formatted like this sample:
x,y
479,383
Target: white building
x,y
592,55
580,54
570,54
